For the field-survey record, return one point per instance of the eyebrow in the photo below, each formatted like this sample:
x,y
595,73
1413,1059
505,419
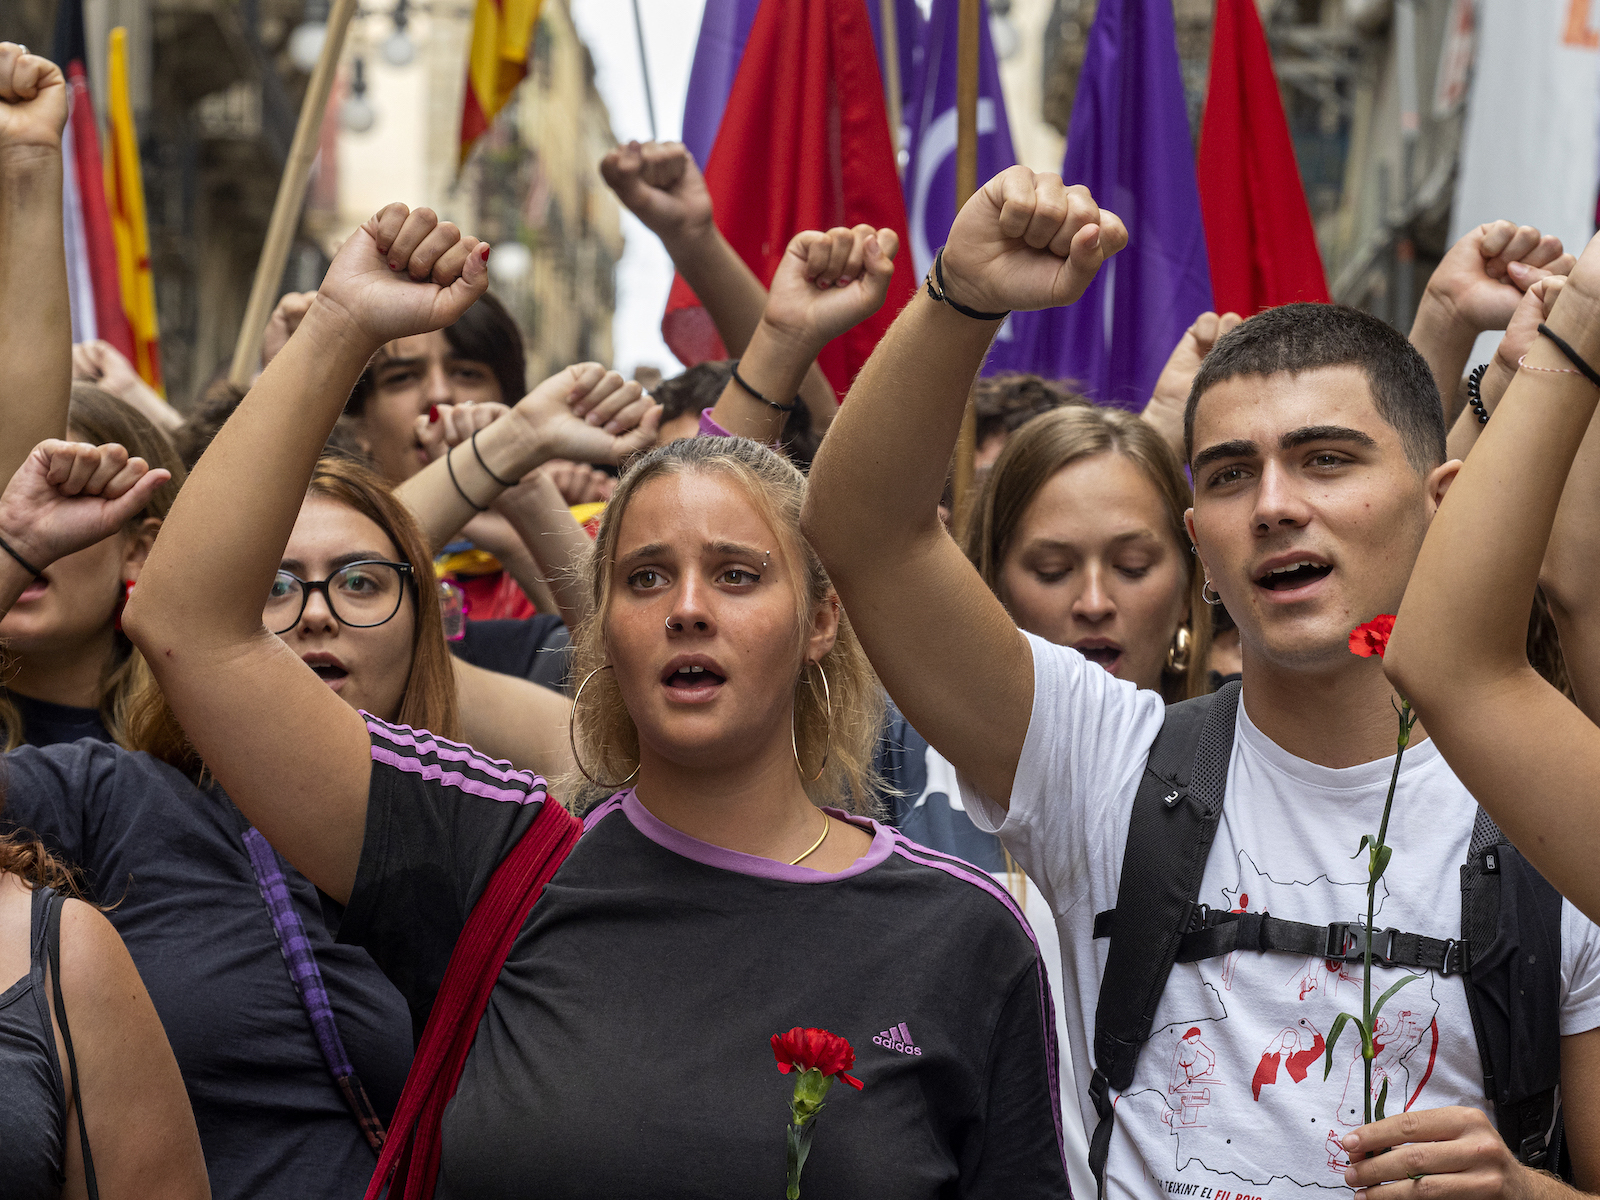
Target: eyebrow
x,y
1305,435
339,561
727,549
1133,535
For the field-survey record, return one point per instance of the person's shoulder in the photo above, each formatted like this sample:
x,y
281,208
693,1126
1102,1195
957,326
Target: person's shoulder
x,y
965,897
451,765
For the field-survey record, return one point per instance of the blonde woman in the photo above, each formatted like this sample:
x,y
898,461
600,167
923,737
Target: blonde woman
x,y
721,895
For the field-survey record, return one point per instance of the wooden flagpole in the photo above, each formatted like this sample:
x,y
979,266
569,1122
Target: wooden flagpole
x,y
291,196
891,72
966,184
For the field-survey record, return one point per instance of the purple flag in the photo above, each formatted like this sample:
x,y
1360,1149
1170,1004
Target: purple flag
x,y
1130,145
930,115
724,29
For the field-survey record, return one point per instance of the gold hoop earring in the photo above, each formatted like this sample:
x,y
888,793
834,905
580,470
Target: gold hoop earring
x,y
572,737
1207,591
827,744
1178,652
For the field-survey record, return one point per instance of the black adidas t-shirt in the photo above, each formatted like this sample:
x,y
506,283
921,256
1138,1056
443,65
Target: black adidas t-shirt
x,y
626,1049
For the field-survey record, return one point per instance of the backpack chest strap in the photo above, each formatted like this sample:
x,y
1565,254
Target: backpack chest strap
x,y
1211,934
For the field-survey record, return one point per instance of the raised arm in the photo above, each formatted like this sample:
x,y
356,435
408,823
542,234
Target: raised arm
x,y
103,365
661,185
292,755
35,321
1164,412
1475,288
825,284
1458,650
942,644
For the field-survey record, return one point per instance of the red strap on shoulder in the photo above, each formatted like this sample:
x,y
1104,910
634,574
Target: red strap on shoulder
x,y
409,1162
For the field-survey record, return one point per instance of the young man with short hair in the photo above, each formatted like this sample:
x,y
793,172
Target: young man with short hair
x,y
1317,447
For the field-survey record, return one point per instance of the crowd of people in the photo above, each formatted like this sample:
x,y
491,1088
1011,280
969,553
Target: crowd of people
x,y
417,782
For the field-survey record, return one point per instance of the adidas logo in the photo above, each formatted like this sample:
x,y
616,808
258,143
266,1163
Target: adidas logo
x,y
898,1038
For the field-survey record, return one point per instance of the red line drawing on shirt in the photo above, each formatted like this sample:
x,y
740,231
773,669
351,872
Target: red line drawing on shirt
x,y
1192,1064
1433,1057
1290,1044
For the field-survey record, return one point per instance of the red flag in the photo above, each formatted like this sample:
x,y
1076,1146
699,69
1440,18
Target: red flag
x,y
803,144
99,247
1262,245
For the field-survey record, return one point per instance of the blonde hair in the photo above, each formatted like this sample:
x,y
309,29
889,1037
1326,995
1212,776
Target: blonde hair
x,y
429,700
97,416
1056,439
606,738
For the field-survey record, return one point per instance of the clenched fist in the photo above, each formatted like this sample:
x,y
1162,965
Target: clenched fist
x,y
1025,240
33,100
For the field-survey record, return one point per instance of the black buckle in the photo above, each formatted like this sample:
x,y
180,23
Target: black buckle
x,y
1100,1092
1533,1151
1347,942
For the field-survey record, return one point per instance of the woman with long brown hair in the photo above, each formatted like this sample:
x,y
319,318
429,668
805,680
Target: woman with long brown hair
x,y
96,1101
711,904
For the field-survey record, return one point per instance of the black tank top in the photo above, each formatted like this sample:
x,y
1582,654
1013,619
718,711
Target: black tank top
x,y
32,1117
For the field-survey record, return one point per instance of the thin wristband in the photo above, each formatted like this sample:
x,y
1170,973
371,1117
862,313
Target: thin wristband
x,y
740,380
943,297
477,455
451,467
1573,356
21,562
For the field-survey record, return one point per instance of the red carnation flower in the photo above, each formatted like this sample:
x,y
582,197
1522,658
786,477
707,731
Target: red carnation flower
x,y
1373,637
814,1050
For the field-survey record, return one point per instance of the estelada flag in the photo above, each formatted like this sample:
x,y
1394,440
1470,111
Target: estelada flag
x,y
1258,225
803,144
498,61
124,184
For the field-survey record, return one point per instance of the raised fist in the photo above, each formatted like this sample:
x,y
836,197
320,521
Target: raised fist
x,y
33,100
69,495
829,282
405,272
589,414
1482,277
1025,240
661,185
446,425
1171,395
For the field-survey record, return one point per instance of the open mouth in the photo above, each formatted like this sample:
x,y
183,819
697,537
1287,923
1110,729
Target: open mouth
x,y
34,590
693,678
1293,575
1103,654
329,673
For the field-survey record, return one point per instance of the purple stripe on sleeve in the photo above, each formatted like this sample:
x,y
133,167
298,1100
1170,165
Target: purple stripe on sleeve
x,y
961,869
456,779
443,748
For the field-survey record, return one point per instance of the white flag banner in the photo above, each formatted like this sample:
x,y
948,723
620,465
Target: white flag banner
x,y
1531,146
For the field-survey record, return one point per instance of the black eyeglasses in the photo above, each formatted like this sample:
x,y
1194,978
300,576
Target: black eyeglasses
x,y
360,595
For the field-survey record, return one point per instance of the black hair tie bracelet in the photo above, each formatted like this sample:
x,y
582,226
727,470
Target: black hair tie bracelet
x,y
943,297
1475,393
740,380
1572,355
21,562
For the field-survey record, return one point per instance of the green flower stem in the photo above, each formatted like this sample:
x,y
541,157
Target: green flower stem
x,y
1374,870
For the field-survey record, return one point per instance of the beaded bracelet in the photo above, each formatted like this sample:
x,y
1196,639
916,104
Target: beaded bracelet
x,y
1475,393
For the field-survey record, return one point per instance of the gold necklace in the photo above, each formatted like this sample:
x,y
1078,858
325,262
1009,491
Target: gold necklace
x,y
816,845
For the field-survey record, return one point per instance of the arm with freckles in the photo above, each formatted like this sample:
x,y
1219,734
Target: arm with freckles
x,y
294,757
806,309
954,661
1459,651
35,321
1475,288
662,186
1457,1154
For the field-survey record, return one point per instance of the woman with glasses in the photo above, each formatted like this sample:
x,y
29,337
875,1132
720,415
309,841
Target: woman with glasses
x,y
712,903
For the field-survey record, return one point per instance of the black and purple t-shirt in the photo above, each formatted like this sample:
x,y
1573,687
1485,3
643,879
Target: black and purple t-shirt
x,y
626,1049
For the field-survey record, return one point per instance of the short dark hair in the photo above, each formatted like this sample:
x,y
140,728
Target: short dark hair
x,y
1305,337
694,390
1004,403
486,333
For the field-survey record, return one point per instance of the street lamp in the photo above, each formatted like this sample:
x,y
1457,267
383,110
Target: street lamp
x,y
356,114
305,43
398,49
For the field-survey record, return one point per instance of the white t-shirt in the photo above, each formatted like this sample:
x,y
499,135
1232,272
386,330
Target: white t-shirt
x,y
1229,1099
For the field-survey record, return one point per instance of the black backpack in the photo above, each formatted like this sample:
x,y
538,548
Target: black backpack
x,y
1509,952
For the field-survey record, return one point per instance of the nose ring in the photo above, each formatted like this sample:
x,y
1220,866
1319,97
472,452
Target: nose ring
x,y
671,628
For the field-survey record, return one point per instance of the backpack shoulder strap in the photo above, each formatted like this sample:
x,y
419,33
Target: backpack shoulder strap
x,y
1511,924
409,1163
1174,820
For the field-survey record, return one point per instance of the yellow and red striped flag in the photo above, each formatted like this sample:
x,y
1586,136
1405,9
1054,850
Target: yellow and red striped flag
x,y
498,61
125,197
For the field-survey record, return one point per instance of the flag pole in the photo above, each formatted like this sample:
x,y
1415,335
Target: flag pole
x,y
644,70
291,195
966,184
891,72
